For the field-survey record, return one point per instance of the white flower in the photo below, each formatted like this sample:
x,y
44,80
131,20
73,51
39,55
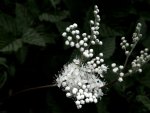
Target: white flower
x,y
81,82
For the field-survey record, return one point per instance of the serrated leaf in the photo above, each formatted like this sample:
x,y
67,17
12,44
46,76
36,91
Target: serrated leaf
x,y
34,38
108,47
3,78
144,100
12,46
53,18
7,23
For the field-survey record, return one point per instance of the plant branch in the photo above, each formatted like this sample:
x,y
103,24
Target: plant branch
x,y
33,88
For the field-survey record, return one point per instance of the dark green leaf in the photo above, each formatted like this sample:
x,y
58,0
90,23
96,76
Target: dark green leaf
x,y
144,100
23,19
102,106
145,80
34,38
55,2
7,23
12,70
21,55
108,47
106,31
3,62
54,17
61,26
3,78
12,46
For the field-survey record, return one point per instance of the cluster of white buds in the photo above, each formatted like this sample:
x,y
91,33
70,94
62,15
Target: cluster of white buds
x,y
118,70
84,41
81,83
97,65
140,60
135,38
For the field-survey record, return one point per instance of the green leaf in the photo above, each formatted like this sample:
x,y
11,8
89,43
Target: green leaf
x,y
106,31
21,54
7,23
61,26
144,100
108,47
13,46
33,37
54,17
12,70
146,42
53,104
145,80
102,106
23,19
55,2
3,78
3,62
50,38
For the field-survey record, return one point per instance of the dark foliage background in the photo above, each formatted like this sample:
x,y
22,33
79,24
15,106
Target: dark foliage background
x,y
32,52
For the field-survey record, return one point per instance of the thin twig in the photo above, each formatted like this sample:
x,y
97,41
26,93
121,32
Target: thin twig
x,y
33,88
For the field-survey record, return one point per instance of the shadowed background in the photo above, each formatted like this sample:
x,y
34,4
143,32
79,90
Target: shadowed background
x,y
32,53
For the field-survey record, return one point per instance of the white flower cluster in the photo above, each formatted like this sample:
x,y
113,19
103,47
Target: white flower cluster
x,y
81,83
135,38
83,42
118,70
140,60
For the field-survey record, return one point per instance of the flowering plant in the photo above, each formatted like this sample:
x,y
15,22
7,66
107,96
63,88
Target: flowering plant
x,y
83,79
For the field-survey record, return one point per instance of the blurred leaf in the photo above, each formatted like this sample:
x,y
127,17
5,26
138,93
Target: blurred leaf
x,y
21,54
61,26
54,17
146,79
55,2
144,100
52,104
3,62
146,42
106,31
12,70
145,15
75,54
33,37
32,6
102,106
108,47
7,23
12,46
23,19
3,78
